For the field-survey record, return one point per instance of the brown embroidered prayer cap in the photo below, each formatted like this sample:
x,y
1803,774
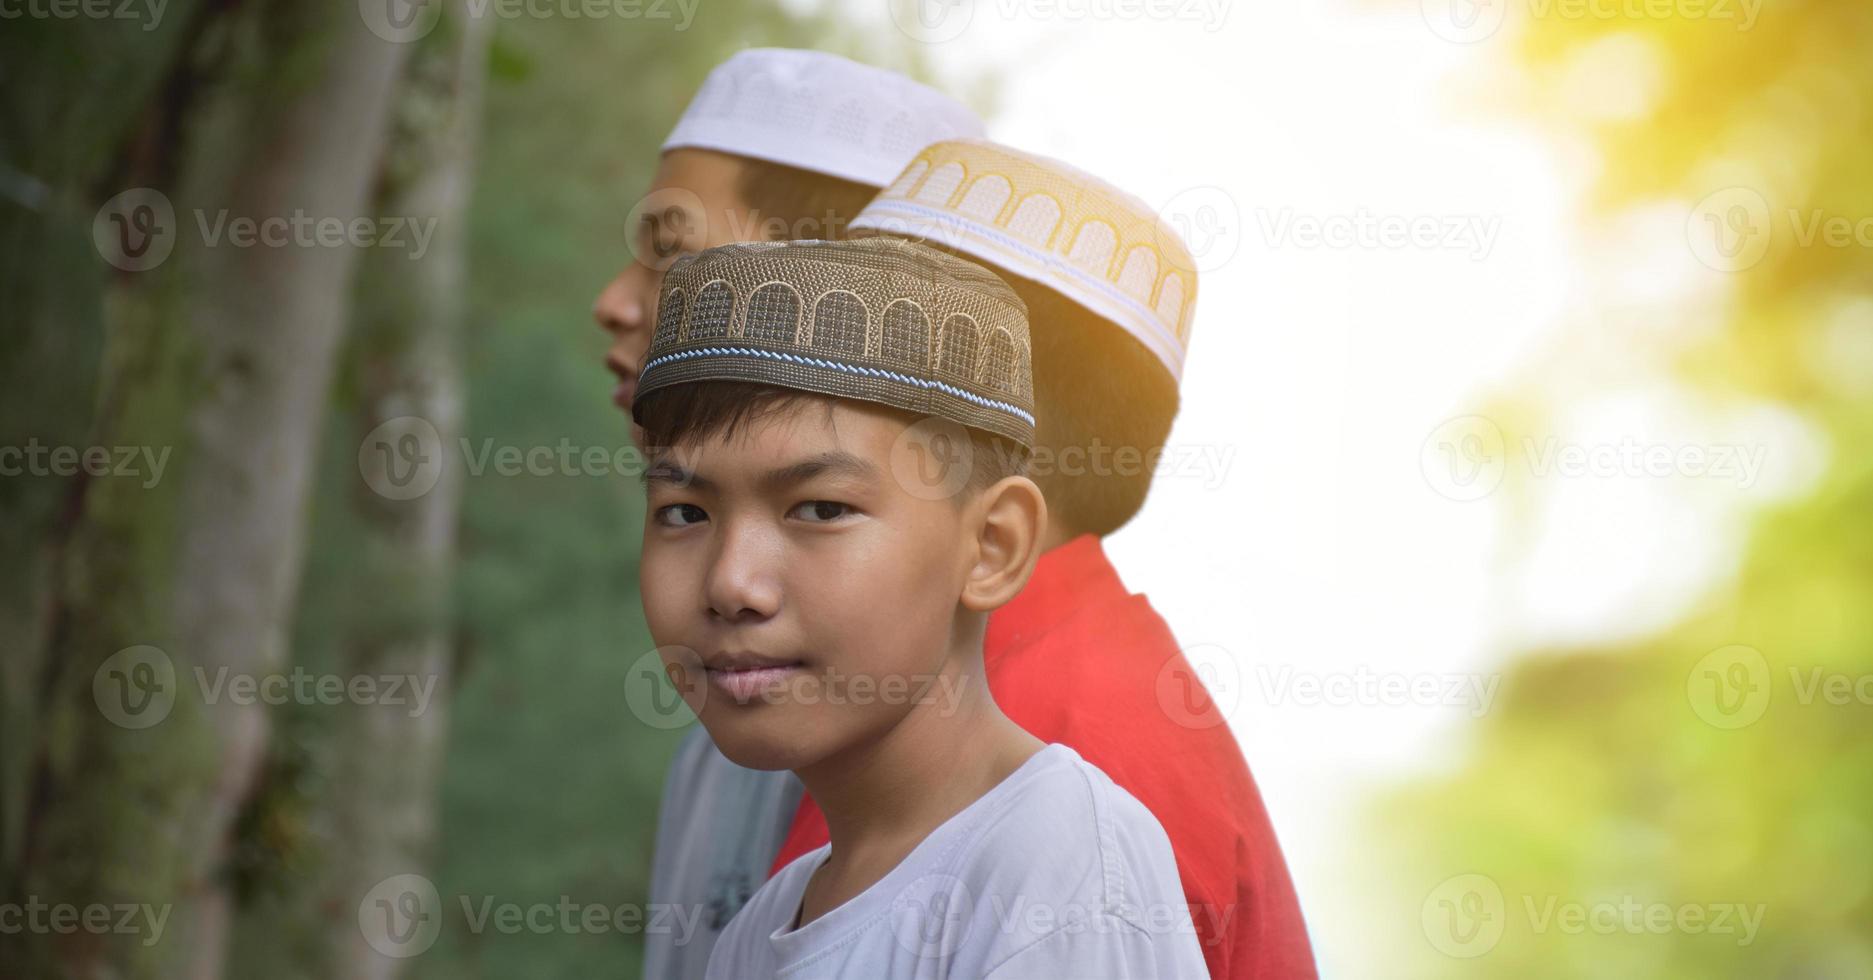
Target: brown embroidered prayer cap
x,y
877,319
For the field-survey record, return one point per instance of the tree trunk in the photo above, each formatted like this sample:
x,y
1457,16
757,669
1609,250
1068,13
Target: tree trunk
x,y
406,363
71,94
221,353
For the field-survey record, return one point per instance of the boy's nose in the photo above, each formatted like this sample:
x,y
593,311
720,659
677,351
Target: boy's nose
x,y
620,307
740,586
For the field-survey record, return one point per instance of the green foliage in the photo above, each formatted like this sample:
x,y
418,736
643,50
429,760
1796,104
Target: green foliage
x,y
1607,774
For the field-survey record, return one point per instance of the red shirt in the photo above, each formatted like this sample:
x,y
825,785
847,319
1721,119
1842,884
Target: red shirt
x,y
1077,659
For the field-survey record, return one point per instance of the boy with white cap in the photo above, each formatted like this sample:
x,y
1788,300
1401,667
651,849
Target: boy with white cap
x,y
777,144
1076,658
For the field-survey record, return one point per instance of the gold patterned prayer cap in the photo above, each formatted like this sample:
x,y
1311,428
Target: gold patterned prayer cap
x,y
1053,224
819,112
878,320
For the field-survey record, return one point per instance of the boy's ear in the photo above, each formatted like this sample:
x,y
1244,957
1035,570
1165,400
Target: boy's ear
x,y
1009,520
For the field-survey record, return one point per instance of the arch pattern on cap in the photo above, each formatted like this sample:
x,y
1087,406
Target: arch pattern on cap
x,y
906,327
670,318
714,309
957,355
773,314
1036,218
841,324
1056,217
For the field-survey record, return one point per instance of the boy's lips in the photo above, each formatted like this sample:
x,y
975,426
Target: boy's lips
x,y
626,390
744,676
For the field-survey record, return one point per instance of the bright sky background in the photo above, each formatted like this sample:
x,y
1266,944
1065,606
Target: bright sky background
x,y
1326,547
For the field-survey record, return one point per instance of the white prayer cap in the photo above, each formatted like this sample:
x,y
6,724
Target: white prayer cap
x,y
1042,220
819,112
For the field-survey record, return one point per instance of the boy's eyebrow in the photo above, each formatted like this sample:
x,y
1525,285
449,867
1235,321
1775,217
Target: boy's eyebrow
x,y
832,462
665,471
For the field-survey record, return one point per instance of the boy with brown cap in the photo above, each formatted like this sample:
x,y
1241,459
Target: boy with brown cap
x,y
822,611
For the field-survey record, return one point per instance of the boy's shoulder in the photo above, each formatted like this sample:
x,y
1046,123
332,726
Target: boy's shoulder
x,y
1068,828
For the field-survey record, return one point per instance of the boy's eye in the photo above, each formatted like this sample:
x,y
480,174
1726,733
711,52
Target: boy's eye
x,y
681,515
820,511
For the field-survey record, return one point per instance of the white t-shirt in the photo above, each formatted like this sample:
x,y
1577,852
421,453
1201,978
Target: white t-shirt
x,y
1054,874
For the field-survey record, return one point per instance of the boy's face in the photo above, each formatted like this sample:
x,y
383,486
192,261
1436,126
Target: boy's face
x,y
816,597
693,203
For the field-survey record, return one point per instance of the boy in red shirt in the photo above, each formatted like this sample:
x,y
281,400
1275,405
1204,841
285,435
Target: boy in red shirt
x,y
1076,658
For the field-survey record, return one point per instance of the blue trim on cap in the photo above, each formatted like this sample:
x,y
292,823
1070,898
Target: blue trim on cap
x,y
775,355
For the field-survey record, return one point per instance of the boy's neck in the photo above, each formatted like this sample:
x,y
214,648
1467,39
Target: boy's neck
x,y
891,792
1056,535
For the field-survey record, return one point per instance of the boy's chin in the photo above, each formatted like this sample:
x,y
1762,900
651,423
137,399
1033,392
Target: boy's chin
x,y
750,747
